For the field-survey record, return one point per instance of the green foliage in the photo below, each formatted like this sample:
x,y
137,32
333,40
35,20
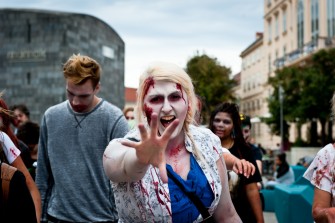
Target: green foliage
x,y
308,91
211,81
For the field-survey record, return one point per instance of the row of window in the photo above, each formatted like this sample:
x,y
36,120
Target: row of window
x,y
314,12
249,107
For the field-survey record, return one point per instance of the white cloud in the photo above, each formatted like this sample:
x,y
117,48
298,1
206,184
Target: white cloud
x,y
171,30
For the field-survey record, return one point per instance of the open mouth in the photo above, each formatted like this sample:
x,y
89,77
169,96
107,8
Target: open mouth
x,y
167,120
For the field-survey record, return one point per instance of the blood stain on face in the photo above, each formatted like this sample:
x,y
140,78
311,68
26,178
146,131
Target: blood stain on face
x,y
182,94
148,112
147,84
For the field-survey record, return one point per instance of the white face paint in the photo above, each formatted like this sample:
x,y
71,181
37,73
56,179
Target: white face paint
x,y
169,102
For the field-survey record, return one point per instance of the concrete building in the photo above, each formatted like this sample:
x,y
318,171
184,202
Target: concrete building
x,y
34,44
293,31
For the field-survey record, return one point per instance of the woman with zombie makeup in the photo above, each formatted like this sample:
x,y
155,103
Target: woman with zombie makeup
x,y
226,124
150,163
321,173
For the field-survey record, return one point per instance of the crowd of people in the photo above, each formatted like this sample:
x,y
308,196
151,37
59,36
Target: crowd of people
x,y
89,161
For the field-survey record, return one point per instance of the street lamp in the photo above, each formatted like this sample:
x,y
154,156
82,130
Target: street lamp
x,y
281,99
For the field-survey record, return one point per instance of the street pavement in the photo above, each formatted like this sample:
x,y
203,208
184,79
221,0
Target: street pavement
x,y
270,217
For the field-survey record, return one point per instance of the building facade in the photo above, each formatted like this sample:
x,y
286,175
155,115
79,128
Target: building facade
x,y
293,31
34,44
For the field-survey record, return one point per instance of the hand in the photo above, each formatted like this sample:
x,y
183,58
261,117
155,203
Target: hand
x,y
241,166
151,148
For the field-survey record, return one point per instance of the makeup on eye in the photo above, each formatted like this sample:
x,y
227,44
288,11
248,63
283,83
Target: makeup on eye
x,y
157,99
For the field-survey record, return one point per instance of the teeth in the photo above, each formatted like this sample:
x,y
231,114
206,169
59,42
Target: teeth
x,y
167,118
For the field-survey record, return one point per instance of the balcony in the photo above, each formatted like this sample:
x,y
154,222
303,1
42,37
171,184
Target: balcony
x,y
295,55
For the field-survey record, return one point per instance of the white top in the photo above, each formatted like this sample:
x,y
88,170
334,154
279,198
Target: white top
x,y
287,178
321,172
10,150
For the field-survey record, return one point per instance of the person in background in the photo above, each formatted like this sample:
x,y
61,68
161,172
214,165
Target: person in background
x,y
29,133
21,115
256,152
22,158
226,124
283,173
73,138
306,161
156,165
232,162
129,114
321,173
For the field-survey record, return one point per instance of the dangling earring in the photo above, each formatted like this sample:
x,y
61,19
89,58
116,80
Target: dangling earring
x,y
232,134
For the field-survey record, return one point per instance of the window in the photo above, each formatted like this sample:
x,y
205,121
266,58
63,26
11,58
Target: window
x,y
284,51
28,32
276,26
284,20
269,64
315,19
269,30
331,18
28,78
300,24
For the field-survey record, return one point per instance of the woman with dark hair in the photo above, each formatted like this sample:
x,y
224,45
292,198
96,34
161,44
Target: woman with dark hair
x,y
226,124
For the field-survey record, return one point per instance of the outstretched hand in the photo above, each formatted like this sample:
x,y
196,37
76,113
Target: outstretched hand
x,y
151,148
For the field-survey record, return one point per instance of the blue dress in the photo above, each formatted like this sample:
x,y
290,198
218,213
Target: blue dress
x,y
183,209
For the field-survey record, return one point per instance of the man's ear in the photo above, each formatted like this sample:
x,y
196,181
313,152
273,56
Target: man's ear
x,y
97,88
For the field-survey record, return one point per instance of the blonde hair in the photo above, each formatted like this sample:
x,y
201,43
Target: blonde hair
x,y
79,69
163,71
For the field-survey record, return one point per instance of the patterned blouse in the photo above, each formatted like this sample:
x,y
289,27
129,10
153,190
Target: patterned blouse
x,y
148,200
321,172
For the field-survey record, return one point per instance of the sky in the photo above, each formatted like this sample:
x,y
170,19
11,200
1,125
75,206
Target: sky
x,y
169,30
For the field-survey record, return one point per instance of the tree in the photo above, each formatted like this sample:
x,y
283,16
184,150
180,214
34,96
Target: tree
x,y
308,91
211,81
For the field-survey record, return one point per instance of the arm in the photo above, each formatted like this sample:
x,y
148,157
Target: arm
x,y
35,194
135,157
322,210
239,166
121,164
225,211
255,201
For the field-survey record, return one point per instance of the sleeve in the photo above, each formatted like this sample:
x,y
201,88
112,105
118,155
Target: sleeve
x,y
247,155
120,128
321,171
44,180
217,145
10,150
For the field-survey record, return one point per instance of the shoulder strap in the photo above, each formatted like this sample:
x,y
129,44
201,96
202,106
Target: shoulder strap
x,y
195,199
7,172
